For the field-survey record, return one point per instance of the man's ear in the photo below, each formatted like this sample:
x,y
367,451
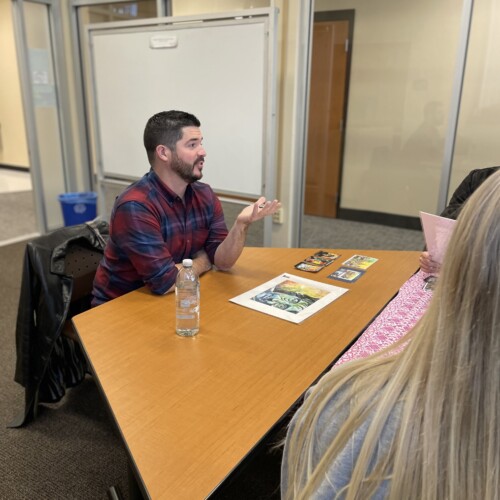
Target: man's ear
x,y
163,152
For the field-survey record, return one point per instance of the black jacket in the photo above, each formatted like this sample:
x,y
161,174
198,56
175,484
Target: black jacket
x,y
46,362
471,182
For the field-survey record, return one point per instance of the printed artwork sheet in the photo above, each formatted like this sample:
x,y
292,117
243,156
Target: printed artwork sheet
x,y
437,233
290,297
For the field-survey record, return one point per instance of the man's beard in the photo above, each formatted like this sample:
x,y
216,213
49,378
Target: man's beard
x,y
186,170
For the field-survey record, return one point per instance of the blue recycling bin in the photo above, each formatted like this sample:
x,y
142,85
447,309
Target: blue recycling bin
x,y
78,208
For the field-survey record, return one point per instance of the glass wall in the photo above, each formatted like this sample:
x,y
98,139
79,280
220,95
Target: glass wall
x,y
477,144
399,92
193,7
123,11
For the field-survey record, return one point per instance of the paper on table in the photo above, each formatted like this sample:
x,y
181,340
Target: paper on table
x,y
437,233
290,297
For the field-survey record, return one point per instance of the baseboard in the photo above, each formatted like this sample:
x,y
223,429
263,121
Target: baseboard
x,y
14,167
402,221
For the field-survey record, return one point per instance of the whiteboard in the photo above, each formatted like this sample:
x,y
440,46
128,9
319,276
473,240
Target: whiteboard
x,y
215,69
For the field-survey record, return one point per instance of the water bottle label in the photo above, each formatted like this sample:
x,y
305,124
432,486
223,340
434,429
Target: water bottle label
x,y
185,302
185,316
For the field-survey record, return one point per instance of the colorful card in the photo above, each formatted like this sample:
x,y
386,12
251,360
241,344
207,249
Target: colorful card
x,y
316,262
346,274
360,262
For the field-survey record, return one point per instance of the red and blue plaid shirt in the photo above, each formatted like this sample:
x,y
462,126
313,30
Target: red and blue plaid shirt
x,y
152,229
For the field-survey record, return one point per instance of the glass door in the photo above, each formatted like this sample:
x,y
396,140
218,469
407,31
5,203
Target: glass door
x,y
43,88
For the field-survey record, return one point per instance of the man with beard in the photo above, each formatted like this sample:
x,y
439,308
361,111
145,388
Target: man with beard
x,y
168,215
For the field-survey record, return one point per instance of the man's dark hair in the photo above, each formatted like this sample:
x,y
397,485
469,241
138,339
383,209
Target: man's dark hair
x,y
166,128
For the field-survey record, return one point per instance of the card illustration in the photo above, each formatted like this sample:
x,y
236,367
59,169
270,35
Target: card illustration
x,y
327,256
306,266
346,274
316,262
290,296
362,262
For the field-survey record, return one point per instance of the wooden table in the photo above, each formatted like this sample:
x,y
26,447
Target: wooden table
x,y
190,409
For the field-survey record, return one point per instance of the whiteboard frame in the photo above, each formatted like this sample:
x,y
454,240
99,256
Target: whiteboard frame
x,y
268,17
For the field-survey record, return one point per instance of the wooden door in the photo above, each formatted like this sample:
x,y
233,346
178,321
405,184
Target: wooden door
x,y
327,99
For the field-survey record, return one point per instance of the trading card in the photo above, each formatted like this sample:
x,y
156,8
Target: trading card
x,y
346,274
327,256
430,283
315,261
360,262
310,268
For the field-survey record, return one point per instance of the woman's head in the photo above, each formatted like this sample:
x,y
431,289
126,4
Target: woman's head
x,y
461,330
443,387
470,276
454,357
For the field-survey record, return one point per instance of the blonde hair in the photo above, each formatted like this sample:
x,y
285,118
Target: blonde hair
x,y
444,386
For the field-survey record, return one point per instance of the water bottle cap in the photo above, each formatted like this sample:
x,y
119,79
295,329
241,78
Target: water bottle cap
x,y
187,263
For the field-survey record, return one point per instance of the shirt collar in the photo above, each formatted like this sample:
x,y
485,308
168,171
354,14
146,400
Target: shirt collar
x,y
166,191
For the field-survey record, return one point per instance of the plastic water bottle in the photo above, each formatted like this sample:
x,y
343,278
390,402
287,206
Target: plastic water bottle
x,y
187,301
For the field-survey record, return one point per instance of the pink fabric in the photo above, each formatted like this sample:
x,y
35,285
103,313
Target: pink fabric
x,y
396,319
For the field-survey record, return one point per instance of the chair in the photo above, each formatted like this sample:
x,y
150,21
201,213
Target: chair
x,y
80,262
58,273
